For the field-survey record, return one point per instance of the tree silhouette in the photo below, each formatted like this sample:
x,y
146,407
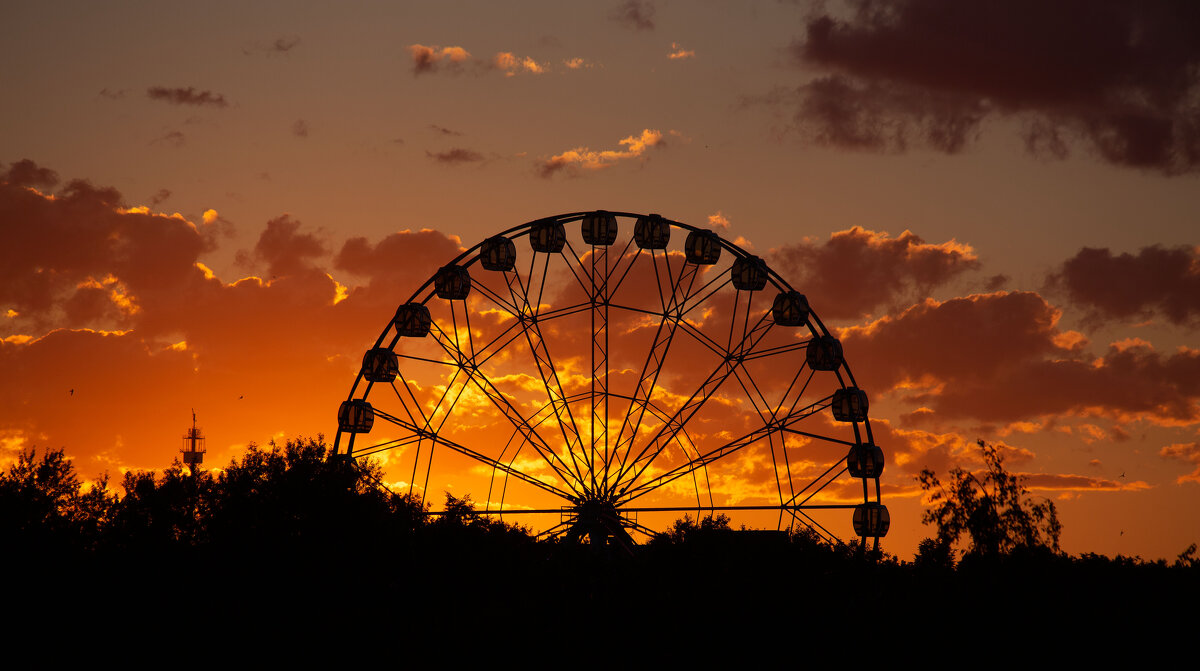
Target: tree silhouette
x,y
43,506
992,509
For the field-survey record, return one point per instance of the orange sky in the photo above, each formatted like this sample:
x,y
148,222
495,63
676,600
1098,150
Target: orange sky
x,y
220,207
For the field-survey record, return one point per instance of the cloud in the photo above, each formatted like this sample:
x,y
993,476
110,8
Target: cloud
x,y
1078,483
634,14
1127,287
441,130
112,95
512,64
578,63
1120,77
285,250
719,221
858,271
186,96
431,59
300,128
678,53
456,156
1188,452
159,196
1002,358
115,303
574,161
27,173
172,138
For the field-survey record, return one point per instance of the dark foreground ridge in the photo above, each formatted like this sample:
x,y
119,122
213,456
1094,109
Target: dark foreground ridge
x,y
284,540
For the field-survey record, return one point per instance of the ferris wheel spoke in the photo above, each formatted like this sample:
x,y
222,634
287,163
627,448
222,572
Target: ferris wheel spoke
x,y
807,520
662,438
506,408
818,483
633,491
548,373
655,360
437,439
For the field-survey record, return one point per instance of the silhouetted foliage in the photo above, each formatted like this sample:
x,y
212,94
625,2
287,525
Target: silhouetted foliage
x,y
992,510
285,532
44,508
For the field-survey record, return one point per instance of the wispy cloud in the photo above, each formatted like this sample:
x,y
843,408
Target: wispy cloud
x,y
186,96
634,14
573,161
678,53
456,156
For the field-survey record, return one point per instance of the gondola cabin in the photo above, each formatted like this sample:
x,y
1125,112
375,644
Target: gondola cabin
x,y
749,274
652,232
599,228
412,320
871,519
356,416
865,460
452,283
824,353
498,253
702,248
790,309
380,365
850,405
547,236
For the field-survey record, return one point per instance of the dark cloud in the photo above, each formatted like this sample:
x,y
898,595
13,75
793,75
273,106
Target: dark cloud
x,y
62,253
300,128
285,250
284,44
1120,77
27,173
159,196
456,156
858,271
1156,279
634,14
1001,357
186,96
442,130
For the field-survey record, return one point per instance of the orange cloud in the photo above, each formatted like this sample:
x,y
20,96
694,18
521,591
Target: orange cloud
x,y
512,65
430,59
678,53
1188,452
579,159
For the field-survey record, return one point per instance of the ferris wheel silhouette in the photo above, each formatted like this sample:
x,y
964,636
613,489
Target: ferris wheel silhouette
x,y
619,378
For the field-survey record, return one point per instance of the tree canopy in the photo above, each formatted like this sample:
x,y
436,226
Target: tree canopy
x,y
992,509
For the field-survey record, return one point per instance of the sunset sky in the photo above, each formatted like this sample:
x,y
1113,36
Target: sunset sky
x,y
218,206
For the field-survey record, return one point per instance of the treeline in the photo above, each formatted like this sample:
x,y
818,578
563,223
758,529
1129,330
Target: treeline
x,y
285,531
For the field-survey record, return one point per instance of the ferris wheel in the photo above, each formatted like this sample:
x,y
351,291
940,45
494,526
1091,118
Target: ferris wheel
x,y
607,372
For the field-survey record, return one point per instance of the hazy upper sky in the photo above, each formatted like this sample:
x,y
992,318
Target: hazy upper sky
x,y
995,204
